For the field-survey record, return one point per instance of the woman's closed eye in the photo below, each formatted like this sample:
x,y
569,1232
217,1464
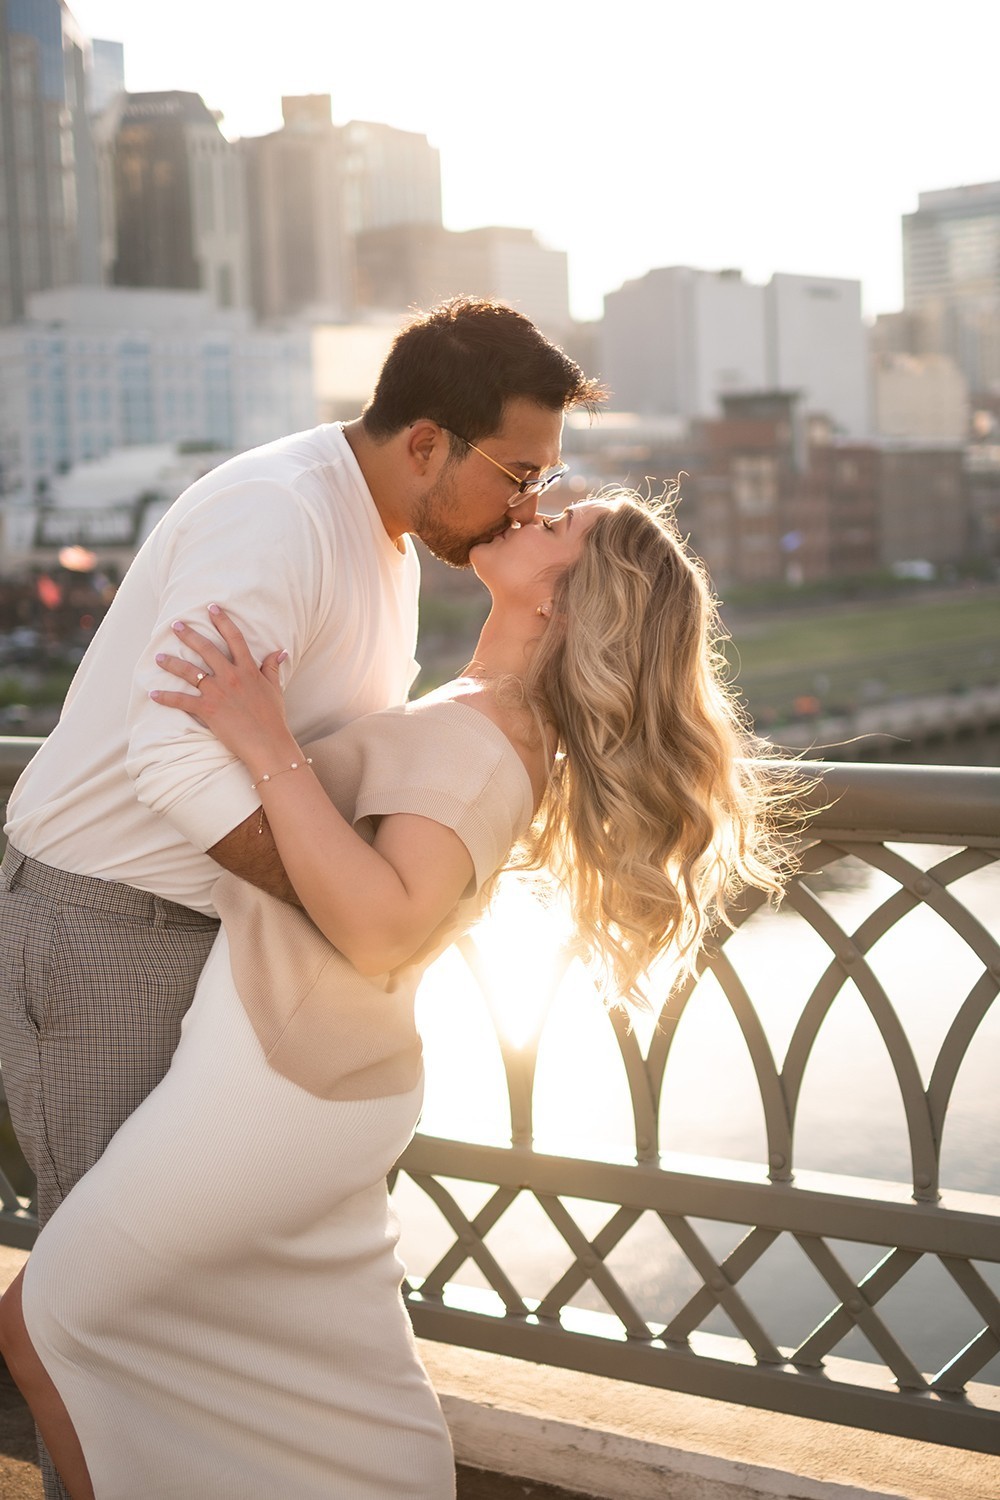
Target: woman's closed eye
x,y
546,522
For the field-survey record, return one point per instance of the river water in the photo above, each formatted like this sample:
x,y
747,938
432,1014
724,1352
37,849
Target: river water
x,y
850,1119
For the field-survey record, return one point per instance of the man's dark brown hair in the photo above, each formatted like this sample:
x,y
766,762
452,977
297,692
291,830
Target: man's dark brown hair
x,y
460,363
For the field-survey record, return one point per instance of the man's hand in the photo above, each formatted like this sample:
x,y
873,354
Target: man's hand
x,y
249,851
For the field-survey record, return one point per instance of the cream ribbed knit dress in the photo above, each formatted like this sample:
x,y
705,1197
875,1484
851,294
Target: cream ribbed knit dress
x,y
218,1299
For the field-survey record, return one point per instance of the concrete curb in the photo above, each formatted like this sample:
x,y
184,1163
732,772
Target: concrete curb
x,y
616,1441
610,1466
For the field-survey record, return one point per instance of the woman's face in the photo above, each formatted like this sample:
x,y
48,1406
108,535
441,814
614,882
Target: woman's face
x,y
528,560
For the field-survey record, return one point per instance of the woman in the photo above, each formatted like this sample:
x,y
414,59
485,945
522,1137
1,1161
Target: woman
x,y
215,1309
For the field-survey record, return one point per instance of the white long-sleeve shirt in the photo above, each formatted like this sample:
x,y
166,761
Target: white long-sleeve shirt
x,y
288,540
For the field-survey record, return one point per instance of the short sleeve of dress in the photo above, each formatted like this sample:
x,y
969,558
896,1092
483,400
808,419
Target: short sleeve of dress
x,y
447,761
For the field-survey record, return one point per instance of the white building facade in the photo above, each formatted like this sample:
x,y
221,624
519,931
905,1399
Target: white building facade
x,y
678,339
97,368
817,344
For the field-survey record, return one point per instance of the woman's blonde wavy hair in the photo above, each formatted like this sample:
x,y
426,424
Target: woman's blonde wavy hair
x,y
655,814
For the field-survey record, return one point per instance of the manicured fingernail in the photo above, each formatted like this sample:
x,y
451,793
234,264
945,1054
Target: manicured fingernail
x,y
178,625
213,609
161,656
154,693
282,656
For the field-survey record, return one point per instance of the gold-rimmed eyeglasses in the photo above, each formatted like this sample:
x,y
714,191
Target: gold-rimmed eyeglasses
x,y
525,487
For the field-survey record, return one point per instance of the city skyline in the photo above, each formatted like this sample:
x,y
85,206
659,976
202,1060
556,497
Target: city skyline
x,y
803,131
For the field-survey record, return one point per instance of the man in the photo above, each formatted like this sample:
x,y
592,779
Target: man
x,y
118,827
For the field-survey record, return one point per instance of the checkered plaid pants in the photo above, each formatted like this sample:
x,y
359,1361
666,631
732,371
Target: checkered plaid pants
x,y
95,978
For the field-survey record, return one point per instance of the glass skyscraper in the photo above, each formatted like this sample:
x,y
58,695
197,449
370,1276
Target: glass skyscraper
x,y
951,277
47,190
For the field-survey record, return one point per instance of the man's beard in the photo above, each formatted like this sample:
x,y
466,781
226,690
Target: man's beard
x,y
434,523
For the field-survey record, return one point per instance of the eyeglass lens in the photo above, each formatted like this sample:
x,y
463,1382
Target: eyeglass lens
x,y
544,481
536,486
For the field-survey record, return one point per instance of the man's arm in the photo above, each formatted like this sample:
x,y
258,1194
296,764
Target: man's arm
x,y
256,549
249,851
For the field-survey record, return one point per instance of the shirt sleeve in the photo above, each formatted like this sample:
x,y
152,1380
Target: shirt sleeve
x,y
257,550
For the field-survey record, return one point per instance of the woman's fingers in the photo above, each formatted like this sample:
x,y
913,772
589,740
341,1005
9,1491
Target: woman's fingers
x,y
195,641
271,667
177,666
231,634
191,703
225,687
240,654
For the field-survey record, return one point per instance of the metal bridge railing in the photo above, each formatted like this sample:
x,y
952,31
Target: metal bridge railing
x,y
874,810
471,1297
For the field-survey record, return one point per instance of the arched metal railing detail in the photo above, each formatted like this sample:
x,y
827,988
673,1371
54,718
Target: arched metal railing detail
x,y
715,1229
849,963
925,1110
905,1232
777,1117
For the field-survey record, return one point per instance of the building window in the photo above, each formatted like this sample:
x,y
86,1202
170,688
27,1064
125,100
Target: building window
x,y
755,484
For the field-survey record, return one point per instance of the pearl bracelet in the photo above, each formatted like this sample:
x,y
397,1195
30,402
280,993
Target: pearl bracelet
x,y
270,775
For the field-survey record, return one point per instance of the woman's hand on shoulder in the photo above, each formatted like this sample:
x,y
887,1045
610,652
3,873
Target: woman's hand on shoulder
x,y
238,701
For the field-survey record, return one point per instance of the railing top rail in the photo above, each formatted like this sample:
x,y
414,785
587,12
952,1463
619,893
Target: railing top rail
x,y
961,803
957,804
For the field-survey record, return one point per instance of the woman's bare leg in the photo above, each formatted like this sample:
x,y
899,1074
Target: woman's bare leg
x,y
46,1404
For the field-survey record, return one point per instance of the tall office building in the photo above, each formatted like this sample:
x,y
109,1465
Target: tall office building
x,y
46,175
951,246
679,341
817,344
415,264
951,278
676,340
300,249
392,177
172,187
314,189
107,74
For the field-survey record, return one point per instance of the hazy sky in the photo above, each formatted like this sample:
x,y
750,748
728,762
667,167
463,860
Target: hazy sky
x,y
789,135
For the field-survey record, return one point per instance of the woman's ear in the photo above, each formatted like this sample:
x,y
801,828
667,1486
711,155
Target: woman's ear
x,y
545,609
